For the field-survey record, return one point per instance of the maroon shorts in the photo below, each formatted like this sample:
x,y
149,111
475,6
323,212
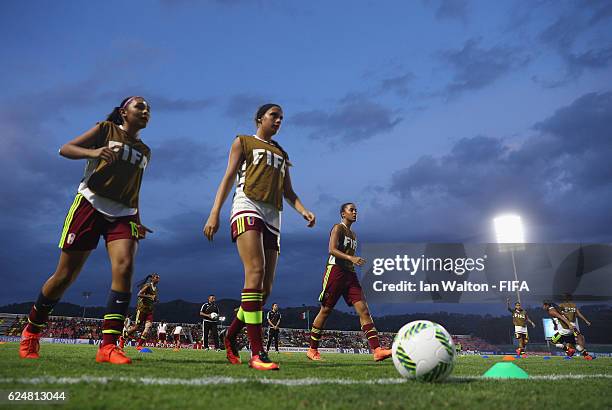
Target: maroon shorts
x,y
143,316
251,223
177,338
161,337
84,225
339,282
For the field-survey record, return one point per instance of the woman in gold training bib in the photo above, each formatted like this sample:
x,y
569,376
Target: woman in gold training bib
x,y
261,169
106,205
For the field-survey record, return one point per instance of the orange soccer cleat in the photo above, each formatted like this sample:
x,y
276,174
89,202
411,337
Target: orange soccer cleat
x,y
570,351
29,345
112,354
381,354
262,362
121,342
231,352
587,357
313,354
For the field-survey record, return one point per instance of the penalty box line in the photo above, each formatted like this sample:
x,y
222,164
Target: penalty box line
x,y
311,381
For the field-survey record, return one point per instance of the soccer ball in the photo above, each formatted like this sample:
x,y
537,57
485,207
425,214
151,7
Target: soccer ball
x,y
213,315
424,351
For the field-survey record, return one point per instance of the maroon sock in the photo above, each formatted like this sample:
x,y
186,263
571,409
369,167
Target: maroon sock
x,y
116,308
372,335
315,337
39,314
251,304
235,328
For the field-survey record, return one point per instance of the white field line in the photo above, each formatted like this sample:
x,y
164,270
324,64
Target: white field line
x,y
311,381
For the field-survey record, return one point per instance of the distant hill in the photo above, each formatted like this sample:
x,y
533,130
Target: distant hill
x,y
494,329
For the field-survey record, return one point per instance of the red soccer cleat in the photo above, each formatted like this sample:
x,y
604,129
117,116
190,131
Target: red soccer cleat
x,y
262,362
231,352
121,342
587,357
381,354
570,352
29,345
313,354
112,354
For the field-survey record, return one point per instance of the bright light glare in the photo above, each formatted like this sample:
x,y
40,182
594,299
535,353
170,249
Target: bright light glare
x,y
509,229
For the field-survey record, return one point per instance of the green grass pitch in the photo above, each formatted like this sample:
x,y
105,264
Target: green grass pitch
x,y
196,379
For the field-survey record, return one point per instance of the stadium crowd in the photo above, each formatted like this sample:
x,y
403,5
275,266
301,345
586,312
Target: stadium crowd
x,y
79,328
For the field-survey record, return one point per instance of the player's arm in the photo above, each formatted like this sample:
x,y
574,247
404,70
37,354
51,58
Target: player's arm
x,y
269,321
581,316
555,314
81,147
202,314
333,248
278,324
142,292
235,159
529,320
293,200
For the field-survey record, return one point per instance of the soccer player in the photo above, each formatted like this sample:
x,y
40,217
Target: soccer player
x,y
340,279
106,205
147,297
519,320
567,336
261,169
571,311
273,318
178,330
210,314
161,334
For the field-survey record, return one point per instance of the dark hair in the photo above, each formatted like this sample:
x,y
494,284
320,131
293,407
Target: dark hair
x,y
115,115
146,280
261,111
344,205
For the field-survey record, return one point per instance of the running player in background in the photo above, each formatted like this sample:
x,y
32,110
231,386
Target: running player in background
x,y
571,311
274,319
161,334
567,337
106,205
261,169
519,320
147,297
340,279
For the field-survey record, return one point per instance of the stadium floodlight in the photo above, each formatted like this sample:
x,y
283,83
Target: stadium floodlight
x,y
509,229
510,237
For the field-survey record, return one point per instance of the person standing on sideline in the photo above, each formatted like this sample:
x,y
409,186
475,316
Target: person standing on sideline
x,y
274,319
210,314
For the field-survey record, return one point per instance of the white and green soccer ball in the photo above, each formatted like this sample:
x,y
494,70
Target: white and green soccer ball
x,y
423,350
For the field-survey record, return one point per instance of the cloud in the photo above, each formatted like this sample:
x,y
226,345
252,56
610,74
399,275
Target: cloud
x,y
354,120
559,178
475,67
452,10
179,158
577,22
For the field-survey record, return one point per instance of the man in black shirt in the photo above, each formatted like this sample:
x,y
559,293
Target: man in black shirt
x,y
210,314
274,318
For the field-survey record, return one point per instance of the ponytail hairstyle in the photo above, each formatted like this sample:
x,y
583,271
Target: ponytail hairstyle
x,y
146,280
115,115
261,111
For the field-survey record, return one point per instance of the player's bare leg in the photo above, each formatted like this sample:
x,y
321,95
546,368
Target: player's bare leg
x,y
67,270
251,251
367,326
